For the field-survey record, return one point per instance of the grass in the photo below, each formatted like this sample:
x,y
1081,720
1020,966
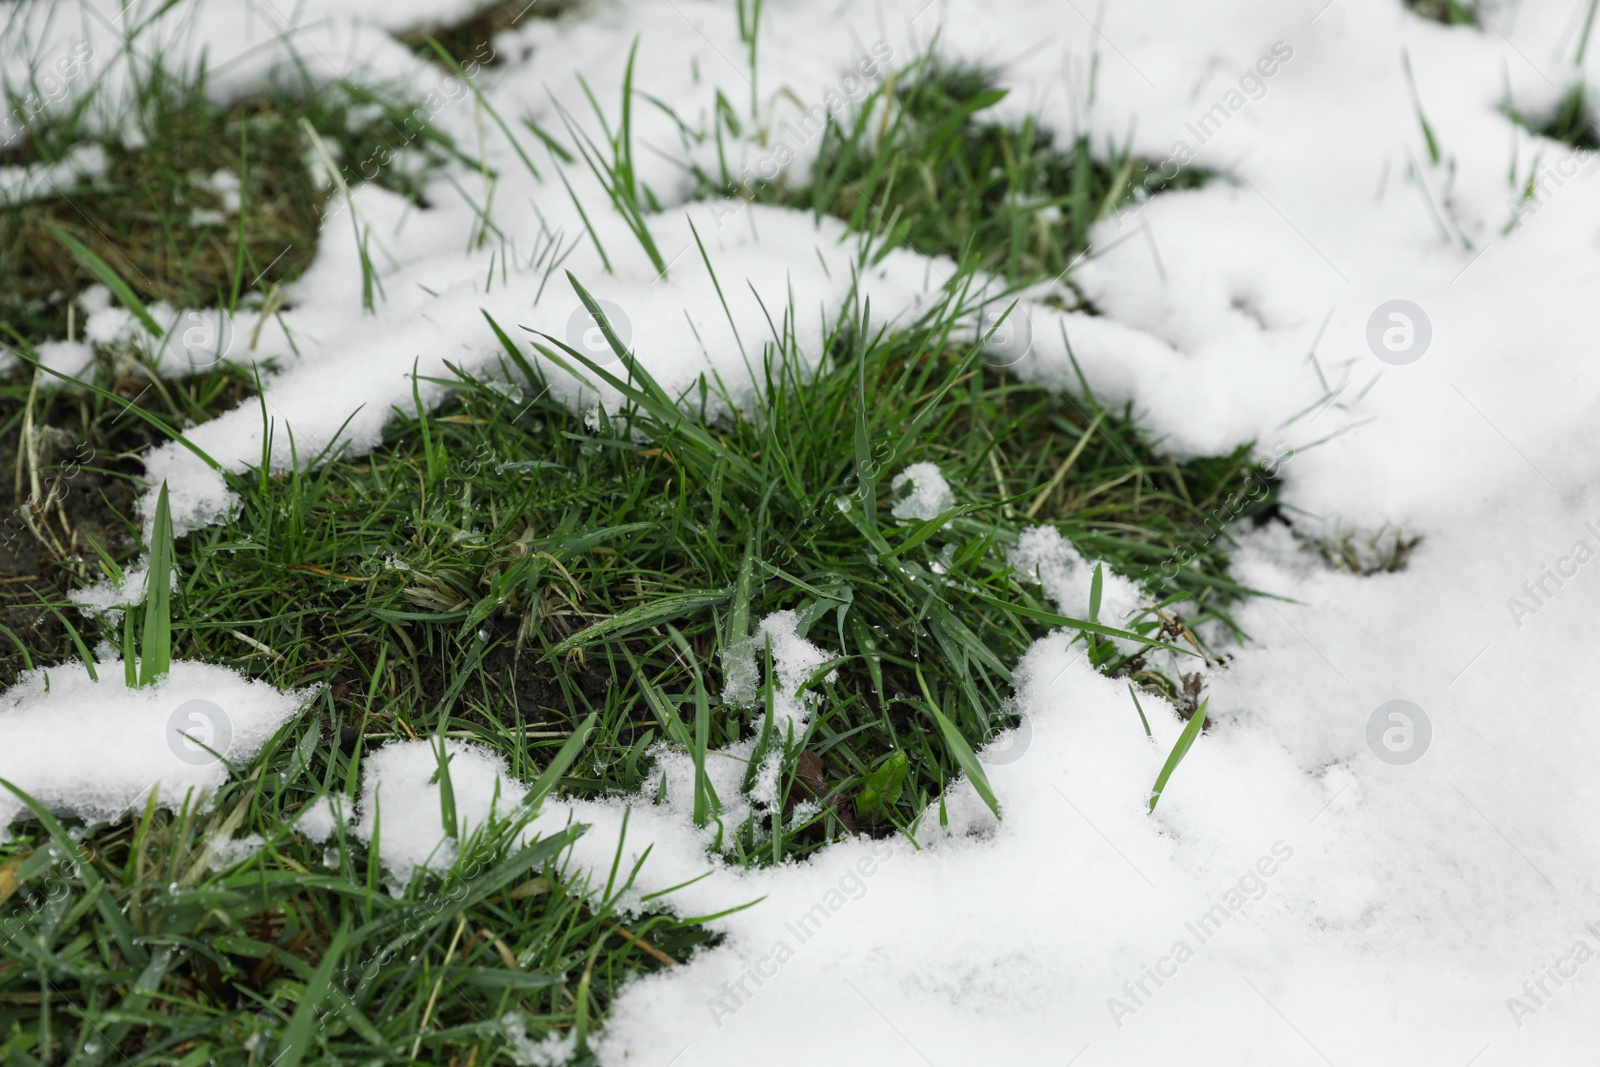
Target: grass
x,y
919,166
1572,122
161,222
131,944
500,570
1449,12
73,472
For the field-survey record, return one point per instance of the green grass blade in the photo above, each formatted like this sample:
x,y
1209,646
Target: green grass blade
x,y
113,281
562,761
1053,619
656,611
138,412
303,1024
77,641
960,749
1134,693
155,648
1186,741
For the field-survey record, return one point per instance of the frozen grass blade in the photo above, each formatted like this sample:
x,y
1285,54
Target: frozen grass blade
x,y
706,805
447,792
77,642
1085,625
484,103
1416,105
1588,28
617,177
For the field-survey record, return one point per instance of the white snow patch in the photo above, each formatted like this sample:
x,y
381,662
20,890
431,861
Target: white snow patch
x,y
71,358
97,750
109,596
554,1049
222,854
927,496
401,799
1043,555
39,181
322,817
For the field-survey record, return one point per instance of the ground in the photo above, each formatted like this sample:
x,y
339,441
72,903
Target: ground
x,y
691,472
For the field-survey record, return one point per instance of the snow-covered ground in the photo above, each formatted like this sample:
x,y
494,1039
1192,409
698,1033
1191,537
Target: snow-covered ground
x,y
1322,882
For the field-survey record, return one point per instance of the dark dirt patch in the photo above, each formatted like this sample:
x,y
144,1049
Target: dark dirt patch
x,y
45,545
76,489
468,38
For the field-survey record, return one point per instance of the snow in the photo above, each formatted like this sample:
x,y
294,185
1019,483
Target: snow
x,y
1067,578
320,819
401,803
98,750
71,358
223,853
80,164
112,597
1374,910
794,661
551,1051
926,494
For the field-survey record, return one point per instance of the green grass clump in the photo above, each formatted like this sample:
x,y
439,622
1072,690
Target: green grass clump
x,y
501,569
1572,122
919,165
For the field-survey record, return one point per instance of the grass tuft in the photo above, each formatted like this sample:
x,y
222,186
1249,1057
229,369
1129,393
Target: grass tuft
x,y
163,222
920,166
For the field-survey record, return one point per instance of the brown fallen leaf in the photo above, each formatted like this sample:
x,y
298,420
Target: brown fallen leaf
x,y
808,772
8,876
